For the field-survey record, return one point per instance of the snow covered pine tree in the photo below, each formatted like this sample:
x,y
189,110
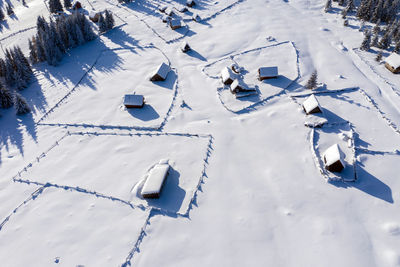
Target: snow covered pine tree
x,y
312,82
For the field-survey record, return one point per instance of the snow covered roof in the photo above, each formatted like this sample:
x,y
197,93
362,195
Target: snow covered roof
x,y
155,180
185,46
175,24
196,17
238,86
393,60
268,72
133,101
311,105
190,3
333,155
227,75
161,72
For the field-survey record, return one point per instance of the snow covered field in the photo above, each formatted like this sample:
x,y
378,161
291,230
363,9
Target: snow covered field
x,y
245,185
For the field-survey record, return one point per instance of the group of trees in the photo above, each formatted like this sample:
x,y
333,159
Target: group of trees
x,y
56,6
17,73
382,38
54,38
9,11
106,22
378,10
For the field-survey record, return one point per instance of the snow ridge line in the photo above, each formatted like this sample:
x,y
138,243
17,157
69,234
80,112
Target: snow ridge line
x,y
33,196
222,11
343,90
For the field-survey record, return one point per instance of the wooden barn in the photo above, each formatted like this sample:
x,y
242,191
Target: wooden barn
x,y
267,73
185,47
155,181
133,101
190,3
392,63
94,16
161,73
175,24
311,105
227,76
238,86
333,159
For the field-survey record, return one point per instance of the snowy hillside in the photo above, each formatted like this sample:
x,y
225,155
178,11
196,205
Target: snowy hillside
x,y
248,182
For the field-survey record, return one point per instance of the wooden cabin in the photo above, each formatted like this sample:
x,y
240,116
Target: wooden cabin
x,y
196,17
267,73
238,86
94,16
162,8
175,24
182,9
190,3
227,76
168,11
185,47
133,101
311,105
392,63
155,181
161,73
166,18
333,159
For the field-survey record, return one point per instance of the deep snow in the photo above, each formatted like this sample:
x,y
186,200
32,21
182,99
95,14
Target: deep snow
x,y
246,185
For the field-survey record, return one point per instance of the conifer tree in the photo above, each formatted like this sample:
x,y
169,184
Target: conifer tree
x,y
109,20
55,6
9,9
328,5
67,4
20,104
2,16
312,82
379,56
6,98
366,44
102,24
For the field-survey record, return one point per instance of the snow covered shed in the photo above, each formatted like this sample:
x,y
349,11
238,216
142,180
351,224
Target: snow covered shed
x,y
185,47
133,101
238,86
94,16
267,73
155,181
311,105
196,17
392,63
190,3
76,5
161,73
333,159
175,24
227,76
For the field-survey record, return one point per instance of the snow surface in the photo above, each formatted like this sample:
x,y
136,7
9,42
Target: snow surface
x,y
247,185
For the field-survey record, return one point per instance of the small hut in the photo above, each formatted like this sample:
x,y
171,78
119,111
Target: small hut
x,y
166,18
155,181
196,17
392,63
168,11
267,73
227,76
190,3
333,159
161,73
76,5
94,16
238,86
182,9
133,101
185,47
162,8
175,24
311,105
